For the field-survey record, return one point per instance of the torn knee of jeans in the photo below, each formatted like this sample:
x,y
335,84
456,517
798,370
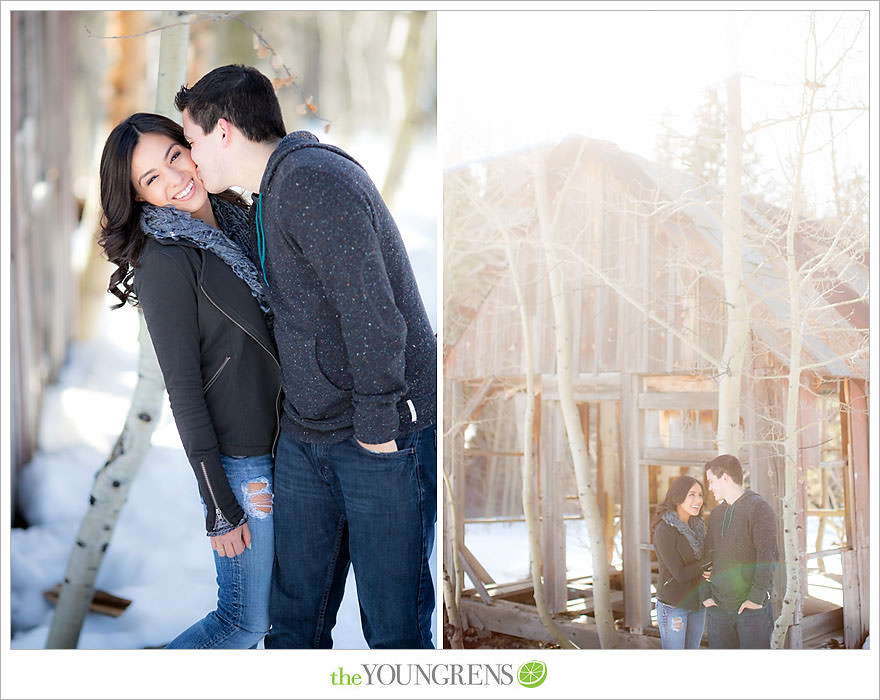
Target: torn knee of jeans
x,y
257,497
676,624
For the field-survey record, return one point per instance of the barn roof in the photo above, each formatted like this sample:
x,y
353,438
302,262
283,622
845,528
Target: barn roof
x,y
835,335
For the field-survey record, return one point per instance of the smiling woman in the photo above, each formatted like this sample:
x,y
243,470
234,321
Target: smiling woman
x,y
164,174
182,256
679,534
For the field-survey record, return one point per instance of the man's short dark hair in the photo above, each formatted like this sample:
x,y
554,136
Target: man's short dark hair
x,y
725,464
239,94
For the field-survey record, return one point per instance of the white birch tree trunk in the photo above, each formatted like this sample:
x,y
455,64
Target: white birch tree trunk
x,y
113,480
411,77
108,495
791,486
529,497
729,436
587,497
452,592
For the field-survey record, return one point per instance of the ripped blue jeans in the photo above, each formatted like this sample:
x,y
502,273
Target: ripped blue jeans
x,y
241,617
680,628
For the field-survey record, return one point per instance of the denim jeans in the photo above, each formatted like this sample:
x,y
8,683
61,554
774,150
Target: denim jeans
x,y
339,505
241,618
680,628
749,629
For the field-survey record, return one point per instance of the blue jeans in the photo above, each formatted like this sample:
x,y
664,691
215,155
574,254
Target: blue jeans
x,y
749,629
339,505
241,618
680,628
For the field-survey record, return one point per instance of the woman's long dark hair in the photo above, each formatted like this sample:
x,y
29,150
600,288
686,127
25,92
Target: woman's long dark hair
x,y
675,495
121,236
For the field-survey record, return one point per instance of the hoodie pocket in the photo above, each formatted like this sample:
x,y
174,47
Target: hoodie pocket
x,y
309,391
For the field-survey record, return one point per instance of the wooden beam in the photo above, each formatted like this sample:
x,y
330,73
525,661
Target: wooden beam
x,y
676,456
475,564
583,397
475,579
473,404
520,620
825,512
822,624
679,400
588,388
490,453
826,553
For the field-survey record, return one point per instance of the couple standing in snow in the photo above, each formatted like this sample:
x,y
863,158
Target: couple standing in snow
x,y
298,358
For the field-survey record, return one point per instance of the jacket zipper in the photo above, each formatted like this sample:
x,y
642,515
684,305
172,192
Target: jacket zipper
x,y
216,374
219,519
268,352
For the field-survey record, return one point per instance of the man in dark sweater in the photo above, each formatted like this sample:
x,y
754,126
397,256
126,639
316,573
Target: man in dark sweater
x,y
742,544
355,471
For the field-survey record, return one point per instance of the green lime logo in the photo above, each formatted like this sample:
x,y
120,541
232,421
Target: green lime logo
x,y
531,674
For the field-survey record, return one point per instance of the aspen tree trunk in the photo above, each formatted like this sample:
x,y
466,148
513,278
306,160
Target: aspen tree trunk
x,y
733,358
411,75
126,59
452,588
113,480
587,496
791,599
529,497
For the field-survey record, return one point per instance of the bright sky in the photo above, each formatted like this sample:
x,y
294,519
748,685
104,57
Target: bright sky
x,y
512,79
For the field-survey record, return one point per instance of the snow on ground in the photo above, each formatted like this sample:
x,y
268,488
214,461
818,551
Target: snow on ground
x,y
159,556
503,549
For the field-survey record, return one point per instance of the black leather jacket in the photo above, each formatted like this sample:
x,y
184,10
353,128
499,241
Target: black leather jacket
x,y
680,573
219,363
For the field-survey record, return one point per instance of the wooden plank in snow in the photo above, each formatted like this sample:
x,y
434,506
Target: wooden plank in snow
x,y
102,602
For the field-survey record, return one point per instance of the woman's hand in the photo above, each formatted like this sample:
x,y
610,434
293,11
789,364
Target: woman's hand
x,y
232,543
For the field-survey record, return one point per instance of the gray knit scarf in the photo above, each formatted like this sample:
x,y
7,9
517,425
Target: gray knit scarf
x,y
230,243
694,533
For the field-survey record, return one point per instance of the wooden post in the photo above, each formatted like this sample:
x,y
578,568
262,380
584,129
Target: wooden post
x,y
609,456
552,477
636,563
856,571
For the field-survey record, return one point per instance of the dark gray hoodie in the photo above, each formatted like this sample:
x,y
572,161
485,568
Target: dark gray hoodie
x,y
358,355
742,544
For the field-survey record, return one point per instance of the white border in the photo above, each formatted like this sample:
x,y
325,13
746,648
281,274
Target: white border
x,y
287,674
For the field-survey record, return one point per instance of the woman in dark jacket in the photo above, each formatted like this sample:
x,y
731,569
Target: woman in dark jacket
x,y
180,256
679,534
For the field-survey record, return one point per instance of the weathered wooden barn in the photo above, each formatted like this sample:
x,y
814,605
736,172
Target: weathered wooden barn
x,y
43,216
639,247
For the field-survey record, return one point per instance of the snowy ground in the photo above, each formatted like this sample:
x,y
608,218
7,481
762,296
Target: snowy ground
x,y
161,561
